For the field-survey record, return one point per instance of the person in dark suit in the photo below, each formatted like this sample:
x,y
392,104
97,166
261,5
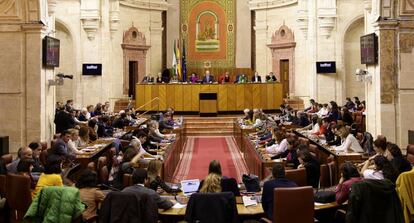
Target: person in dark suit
x,y
208,78
139,179
312,166
165,77
64,120
256,78
279,180
60,148
271,77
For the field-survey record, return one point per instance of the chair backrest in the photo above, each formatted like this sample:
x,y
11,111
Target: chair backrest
x,y
293,205
410,153
328,175
2,185
18,195
313,149
8,158
43,156
200,208
103,174
136,207
127,180
298,176
230,185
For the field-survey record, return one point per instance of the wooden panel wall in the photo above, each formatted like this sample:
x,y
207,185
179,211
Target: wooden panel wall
x,y
230,97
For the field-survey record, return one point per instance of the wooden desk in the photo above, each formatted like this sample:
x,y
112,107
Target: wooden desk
x,y
86,158
242,210
172,155
230,97
339,158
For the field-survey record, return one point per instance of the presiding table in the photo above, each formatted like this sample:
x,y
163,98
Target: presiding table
x,y
184,97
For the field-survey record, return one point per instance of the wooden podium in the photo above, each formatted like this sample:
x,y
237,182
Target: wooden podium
x,y
208,104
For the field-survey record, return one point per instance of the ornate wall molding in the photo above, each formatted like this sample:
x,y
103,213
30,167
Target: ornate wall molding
x,y
11,10
406,7
51,7
145,4
326,17
303,17
269,4
114,17
90,17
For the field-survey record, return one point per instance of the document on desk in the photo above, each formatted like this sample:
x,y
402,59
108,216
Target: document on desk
x,y
178,205
249,201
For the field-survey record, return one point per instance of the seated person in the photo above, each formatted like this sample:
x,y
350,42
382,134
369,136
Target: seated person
x,y
139,179
208,78
36,148
129,160
279,180
302,119
256,78
73,142
313,127
104,128
60,147
280,145
291,153
226,184
225,78
271,77
366,141
398,161
311,165
24,168
24,153
323,125
193,78
383,169
93,128
211,184
380,148
350,143
346,117
155,181
90,194
137,142
51,176
331,138
349,176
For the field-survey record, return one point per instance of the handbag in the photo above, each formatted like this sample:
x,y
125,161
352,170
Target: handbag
x,y
251,182
325,196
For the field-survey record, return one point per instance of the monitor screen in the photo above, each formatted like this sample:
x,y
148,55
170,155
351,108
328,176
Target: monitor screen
x,y
92,69
369,49
51,50
326,67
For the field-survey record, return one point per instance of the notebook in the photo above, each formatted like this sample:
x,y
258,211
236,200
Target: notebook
x,y
190,186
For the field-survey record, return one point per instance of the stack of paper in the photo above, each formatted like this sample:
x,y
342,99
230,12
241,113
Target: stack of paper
x,y
249,201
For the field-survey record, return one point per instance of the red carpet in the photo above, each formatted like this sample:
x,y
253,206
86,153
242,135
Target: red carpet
x,y
198,153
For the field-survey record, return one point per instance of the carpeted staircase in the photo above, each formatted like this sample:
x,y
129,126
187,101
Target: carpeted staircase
x,y
209,126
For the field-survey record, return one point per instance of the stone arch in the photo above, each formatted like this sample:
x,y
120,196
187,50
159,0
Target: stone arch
x,y
67,62
351,58
283,48
134,49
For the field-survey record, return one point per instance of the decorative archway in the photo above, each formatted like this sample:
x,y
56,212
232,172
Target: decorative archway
x,y
283,52
135,50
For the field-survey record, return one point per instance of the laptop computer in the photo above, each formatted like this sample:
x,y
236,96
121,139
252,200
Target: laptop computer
x,y
190,186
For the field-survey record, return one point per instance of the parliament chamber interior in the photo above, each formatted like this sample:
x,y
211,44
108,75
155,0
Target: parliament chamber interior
x,y
207,111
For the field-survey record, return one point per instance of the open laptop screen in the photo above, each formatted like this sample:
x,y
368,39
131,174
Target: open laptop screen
x,y
190,186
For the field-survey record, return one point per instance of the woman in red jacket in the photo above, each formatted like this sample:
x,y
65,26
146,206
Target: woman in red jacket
x,y
349,176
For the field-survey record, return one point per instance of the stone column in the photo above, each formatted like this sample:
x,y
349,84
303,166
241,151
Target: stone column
x,y
261,40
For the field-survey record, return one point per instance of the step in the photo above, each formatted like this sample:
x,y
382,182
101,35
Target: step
x,y
212,125
209,121
201,128
209,133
